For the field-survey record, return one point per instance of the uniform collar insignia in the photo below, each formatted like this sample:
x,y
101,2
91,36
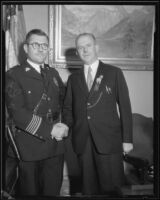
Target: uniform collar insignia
x,y
27,69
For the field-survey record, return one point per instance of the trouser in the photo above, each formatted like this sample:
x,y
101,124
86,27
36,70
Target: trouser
x,y
41,177
11,174
102,174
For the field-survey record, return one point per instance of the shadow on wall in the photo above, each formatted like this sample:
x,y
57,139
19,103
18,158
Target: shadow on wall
x,y
72,57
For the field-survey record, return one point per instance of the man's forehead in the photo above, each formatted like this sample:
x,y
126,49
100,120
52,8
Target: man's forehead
x,y
38,38
85,38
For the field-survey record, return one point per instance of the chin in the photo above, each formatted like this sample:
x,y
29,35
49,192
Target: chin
x,y
40,61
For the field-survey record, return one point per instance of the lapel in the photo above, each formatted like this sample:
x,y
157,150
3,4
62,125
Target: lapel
x,y
30,71
82,82
98,74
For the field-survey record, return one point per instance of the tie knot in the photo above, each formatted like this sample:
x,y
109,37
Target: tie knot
x,y
42,69
89,69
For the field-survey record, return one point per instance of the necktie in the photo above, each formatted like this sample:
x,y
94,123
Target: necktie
x,y
44,76
42,70
89,78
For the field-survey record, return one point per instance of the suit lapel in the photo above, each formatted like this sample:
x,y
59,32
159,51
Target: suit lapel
x,y
82,82
98,74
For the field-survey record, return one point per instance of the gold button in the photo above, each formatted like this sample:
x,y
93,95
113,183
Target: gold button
x,y
89,117
88,104
49,98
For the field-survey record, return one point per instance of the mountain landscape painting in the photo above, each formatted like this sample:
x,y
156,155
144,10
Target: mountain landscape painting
x,y
124,32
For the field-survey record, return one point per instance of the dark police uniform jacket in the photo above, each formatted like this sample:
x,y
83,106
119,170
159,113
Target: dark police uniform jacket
x,y
95,112
34,103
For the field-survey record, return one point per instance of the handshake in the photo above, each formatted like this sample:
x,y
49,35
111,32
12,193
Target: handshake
x,y
59,131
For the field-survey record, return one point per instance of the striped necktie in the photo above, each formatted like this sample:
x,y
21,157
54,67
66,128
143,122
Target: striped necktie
x,y
89,78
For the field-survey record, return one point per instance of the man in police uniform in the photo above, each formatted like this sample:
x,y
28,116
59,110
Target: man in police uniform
x,y
100,135
34,96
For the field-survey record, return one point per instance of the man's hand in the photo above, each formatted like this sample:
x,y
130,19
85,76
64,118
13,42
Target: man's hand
x,y
59,131
127,147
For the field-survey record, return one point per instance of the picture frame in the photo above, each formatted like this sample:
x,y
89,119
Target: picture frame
x,y
125,34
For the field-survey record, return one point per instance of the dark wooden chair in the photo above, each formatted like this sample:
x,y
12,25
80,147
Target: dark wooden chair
x,y
139,162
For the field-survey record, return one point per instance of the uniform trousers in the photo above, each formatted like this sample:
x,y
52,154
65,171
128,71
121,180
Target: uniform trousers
x,y
42,177
102,174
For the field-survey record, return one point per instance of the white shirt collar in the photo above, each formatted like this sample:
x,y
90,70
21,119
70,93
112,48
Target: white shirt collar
x,y
34,65
94,67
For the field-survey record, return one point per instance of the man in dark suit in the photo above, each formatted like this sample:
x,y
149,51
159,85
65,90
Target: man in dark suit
x,y
100,135
34,97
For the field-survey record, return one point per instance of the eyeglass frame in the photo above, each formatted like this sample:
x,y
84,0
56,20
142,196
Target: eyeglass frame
x,y
39,45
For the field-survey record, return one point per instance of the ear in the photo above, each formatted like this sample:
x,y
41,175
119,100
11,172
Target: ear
x,y
97,48
76,52
25,47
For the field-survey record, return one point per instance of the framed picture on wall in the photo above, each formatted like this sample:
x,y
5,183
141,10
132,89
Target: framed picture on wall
x,y
125,34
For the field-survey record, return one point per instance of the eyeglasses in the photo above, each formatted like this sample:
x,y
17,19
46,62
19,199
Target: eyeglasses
x,y
36,45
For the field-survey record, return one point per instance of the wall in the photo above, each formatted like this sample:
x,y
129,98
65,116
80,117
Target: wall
x,y
140,83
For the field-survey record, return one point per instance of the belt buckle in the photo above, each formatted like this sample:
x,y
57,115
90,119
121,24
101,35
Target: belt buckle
x,y
49,117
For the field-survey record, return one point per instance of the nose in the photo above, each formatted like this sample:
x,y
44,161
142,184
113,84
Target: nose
x,y
85,49
40,48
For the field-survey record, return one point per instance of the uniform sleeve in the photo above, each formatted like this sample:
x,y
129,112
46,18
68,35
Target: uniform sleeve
x,y
124,107
24,118
67,106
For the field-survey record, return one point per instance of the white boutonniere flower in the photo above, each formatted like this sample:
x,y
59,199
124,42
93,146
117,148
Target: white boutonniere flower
x,y
98,82
27,69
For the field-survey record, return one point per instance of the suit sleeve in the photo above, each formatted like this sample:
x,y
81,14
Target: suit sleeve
x,y
67,106
24,118
62,90
124,104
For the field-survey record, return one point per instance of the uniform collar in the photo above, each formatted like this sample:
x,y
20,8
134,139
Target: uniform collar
x,y
35,65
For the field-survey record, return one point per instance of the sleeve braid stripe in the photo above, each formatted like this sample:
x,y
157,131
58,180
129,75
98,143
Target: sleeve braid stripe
x,y
34,124
38,125
31,124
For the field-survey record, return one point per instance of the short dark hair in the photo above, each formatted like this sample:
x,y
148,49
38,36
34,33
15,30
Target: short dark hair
x,y
35,32
85,34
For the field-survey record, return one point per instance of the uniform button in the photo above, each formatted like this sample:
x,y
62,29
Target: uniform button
x,y
41,137
36,135
88,104
29,92
49,110
49,98
89,117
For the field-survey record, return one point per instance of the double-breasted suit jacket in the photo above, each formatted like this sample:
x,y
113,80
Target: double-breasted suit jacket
x,y
96,112
34,105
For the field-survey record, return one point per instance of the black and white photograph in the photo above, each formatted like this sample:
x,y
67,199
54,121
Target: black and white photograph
x,y
79,100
